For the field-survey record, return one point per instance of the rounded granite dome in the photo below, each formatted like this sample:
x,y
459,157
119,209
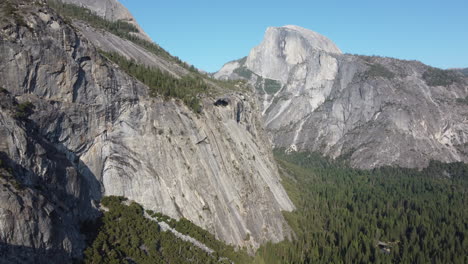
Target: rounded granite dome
x,y
316,40
283,48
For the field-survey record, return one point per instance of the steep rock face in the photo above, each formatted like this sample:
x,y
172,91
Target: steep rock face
x,y
43,196
94,131
111,43
292,63
208,169
375,111
285,51
111,10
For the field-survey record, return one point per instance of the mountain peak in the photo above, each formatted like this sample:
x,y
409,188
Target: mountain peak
x,y
283,48
316,40
111,10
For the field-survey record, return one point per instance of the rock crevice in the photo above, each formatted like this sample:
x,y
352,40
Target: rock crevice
x,y
376,111
95,132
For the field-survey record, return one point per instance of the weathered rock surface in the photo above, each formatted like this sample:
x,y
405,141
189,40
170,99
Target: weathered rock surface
x,y
95,132
111,43
285,49
111,10
375,111
43,195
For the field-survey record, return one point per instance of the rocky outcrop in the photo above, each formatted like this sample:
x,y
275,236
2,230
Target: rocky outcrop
x,y
284,50
373,111
44,198
111,10
111,43
94,131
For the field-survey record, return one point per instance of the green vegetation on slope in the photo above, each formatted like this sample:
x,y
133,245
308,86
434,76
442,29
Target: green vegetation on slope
x,y
342,213
23,110
464,71
186,227
462,100
118,28
127,236
244,72
269,86
272,86
9,10
378,70
6,173
439,77
186,88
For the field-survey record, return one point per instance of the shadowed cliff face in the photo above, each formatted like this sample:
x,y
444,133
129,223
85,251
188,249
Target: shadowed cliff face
x,y
44,197
94,131
374,111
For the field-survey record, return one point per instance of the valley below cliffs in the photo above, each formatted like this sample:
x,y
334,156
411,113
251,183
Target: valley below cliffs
x,y
114,151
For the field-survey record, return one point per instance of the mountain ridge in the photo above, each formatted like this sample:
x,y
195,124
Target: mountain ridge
x,y
80,121
111,10
331,103
80,127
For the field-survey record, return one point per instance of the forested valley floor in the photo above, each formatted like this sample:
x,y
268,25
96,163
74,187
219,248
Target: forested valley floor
x,y
385,215
344,215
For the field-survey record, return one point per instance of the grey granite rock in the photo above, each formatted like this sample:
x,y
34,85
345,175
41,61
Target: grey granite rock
x,y
94,131
111,10
375,111
44,198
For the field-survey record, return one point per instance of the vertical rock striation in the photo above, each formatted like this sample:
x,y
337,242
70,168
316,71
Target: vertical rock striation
x,y
93,131
374,111
111,10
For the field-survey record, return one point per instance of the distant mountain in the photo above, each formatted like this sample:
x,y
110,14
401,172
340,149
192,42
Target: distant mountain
x,y
372,111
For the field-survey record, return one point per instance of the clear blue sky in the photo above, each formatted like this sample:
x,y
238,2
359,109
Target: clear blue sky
x,y
210,33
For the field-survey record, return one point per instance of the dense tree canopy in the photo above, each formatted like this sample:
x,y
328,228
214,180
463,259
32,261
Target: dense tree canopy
x,y
343,213
125,235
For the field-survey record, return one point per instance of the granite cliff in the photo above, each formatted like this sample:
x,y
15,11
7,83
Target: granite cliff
x,y
373,111
111,10
76,127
